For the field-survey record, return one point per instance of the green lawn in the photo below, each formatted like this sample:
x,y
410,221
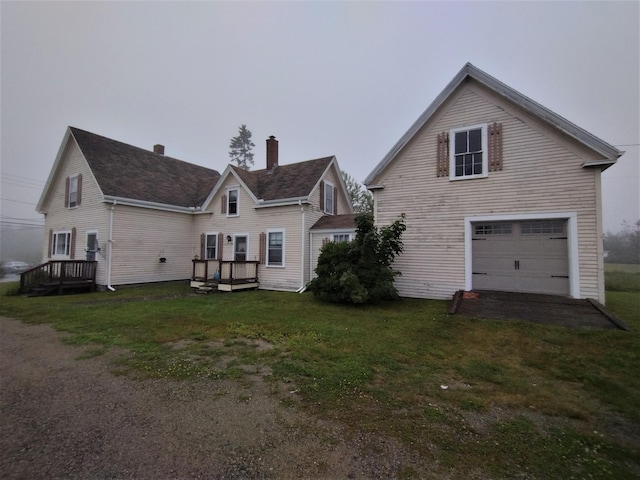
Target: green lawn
x,y
508,399
622,277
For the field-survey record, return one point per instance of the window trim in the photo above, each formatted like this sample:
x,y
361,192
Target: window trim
x,y
334,235
237,212
206,245
67,254
71,191
485,152
267,259
328,185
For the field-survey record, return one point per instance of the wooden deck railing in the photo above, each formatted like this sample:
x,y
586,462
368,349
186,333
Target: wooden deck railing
x,y
229,272
60,274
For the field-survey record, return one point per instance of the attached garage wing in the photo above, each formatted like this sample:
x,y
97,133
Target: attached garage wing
x,y
521,256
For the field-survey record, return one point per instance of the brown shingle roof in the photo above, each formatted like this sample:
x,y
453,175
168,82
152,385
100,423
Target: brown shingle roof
x,y
126,171
286,181
330,222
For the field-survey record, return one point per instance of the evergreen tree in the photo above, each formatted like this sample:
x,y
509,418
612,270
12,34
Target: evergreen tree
x,y
361,199
241,146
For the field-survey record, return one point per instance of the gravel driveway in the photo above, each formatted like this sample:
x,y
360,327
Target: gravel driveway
x,y
61,417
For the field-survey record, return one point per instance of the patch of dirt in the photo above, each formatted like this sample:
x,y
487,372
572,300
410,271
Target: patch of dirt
x,y
62,417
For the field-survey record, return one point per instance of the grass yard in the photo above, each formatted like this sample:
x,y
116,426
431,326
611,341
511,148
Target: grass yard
x,y
485,398
622,277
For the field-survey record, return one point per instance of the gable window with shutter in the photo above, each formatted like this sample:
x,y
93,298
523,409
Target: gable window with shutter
x,y
329,198
468,152
73,191
233,195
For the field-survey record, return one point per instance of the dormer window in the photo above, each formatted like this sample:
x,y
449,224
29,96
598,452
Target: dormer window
x,y
468,151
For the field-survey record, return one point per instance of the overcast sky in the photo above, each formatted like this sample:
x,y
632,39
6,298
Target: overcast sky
x,y
345,79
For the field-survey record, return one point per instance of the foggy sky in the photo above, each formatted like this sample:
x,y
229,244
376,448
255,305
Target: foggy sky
x,y
344,79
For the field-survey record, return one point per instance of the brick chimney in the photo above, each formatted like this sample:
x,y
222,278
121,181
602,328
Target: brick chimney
x,y
272,152
158,149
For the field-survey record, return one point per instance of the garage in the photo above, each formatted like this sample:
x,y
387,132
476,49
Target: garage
x,y
521,256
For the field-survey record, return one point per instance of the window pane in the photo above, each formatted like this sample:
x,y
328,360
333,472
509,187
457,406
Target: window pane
x,y
477,163
461,142
328,198
73,191
275,248
212,241
468,164
475,140
233,202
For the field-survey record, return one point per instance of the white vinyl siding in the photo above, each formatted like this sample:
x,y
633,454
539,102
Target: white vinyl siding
x,y
541,173
142,236
92,215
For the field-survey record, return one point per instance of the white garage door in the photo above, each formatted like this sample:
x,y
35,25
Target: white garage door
x,y
523,256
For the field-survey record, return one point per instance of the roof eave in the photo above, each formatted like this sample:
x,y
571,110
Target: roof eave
x,y
132,202
282,202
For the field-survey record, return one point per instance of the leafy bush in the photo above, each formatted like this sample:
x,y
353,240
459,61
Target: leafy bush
x,y
360,271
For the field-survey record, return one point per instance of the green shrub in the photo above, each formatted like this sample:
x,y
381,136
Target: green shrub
x,y
360,271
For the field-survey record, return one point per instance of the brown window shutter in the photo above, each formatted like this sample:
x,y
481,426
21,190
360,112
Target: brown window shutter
x,y
220,243
66,193
50,251
443,155
203,252
325,240
263,248
322,196
335,201
495,147
72,249
223,202
79,189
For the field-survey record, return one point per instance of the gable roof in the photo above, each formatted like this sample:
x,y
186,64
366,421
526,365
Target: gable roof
x,y
125,171
294,180
609,153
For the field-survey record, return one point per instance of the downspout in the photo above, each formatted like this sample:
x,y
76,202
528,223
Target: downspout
x,y
110,247
302,238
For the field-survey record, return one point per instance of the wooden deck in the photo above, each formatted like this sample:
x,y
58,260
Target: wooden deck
x,y
544,309
59,277
224,276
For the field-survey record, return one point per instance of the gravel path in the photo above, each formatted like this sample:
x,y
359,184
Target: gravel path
x,y
61,417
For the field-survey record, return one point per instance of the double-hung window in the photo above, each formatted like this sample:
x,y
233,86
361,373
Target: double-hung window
x,y
232,202
275,248
61,244
72,200
329,192
211,246
468,152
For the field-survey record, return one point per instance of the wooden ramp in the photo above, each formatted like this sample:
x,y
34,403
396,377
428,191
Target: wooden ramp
x,y
544,309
